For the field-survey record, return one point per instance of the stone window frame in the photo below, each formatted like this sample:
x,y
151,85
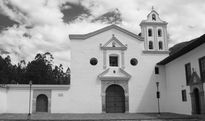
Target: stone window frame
x,y
36,93
160,44
93,61
188,72
159,32
151,45
198,86
201,68
153,17
184,95
133,61
150,32
118,61
156,70
106,83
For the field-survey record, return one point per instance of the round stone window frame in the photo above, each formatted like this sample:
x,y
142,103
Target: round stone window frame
x,y
93,61
133,61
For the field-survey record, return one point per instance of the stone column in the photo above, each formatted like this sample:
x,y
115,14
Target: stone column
x,y
103,103
123,60
155,42
202,103
104,59
126,103
193,103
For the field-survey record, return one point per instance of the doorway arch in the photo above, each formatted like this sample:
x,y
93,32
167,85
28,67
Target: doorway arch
x,y
42,103
115,99
197,101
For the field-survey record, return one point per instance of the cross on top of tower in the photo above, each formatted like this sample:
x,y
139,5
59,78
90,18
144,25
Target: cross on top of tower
x,y
152,7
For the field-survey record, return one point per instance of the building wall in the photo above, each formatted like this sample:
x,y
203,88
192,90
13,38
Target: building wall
x,y
18,100
84,93
176,80
3,100
85,85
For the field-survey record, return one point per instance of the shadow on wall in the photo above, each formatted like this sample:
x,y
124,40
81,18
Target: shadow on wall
x,y
148,101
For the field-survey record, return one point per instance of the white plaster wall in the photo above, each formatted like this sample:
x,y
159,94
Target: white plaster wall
x,y
18,100
176,80
3,100
84,95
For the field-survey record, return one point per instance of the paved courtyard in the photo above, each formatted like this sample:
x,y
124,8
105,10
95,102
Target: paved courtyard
x,y
102,117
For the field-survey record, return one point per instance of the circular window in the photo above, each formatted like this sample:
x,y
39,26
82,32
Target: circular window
x,y
93,61
133,61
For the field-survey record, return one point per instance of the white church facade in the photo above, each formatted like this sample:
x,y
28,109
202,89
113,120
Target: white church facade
x,y
116,71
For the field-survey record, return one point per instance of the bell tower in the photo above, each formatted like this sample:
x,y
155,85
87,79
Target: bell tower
x,y
154,31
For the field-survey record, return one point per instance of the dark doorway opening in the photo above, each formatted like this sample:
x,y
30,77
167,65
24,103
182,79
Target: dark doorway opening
x,y
42,103
197,101
115,99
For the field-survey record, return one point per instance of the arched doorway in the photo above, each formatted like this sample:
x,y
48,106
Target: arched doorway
x,y
42,103
115,99
197,101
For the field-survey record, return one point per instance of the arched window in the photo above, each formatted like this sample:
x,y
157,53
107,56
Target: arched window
x,y
160,45
150,45
159,32
153,17
149,32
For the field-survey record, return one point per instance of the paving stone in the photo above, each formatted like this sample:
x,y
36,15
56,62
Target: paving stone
x,y
101,117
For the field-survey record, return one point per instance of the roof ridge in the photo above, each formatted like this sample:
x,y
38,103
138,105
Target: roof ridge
x,y
85,36
190,46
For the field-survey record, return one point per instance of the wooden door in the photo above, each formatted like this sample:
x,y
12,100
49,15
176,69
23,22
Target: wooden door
x,y
115,99
42,103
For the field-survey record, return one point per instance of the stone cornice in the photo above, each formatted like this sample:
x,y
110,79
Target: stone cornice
x,y
35,86
105,77
153,23
155,52
113,48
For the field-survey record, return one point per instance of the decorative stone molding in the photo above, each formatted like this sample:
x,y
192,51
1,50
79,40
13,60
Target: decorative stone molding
x,y
104,59
123,59
200,88
106,84
119,74
35,86
36,93
113,39
195,79
155,52
113,26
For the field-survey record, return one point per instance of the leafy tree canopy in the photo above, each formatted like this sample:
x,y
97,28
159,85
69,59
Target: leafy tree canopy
x,y
40,71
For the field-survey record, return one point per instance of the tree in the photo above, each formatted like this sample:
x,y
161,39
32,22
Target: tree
x,y
39,71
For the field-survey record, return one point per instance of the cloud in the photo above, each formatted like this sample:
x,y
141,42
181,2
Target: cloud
x,y
44,25
185,17
41,29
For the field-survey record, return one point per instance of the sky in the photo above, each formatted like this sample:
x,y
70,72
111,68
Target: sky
x,y
28,27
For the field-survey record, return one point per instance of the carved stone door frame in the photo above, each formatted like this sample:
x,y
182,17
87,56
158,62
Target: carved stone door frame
x,y
106,83
200,89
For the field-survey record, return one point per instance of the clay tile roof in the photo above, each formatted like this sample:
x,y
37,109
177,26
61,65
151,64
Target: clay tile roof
x,y
182,48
